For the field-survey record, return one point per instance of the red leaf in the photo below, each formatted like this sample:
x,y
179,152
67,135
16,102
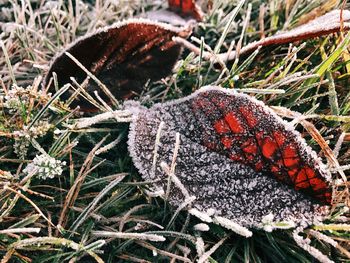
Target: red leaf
x,y
186,7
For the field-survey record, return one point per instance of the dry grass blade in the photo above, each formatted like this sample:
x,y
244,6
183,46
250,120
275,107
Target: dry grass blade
x,y
171,256
19,194
84,214
99,83
74,190
141,236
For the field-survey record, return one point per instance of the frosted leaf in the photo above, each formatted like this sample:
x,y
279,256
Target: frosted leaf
x,y
124,56
323,25
239,159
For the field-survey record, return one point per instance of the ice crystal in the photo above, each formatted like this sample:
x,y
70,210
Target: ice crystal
x,y
20,147
201,215
201,227
227,188
229,224
324,238
185,250
16,102
200,246
22,137
268,223
17,97
138,236
305,244
44,167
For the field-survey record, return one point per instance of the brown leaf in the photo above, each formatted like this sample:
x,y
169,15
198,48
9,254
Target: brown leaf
x,y
123,56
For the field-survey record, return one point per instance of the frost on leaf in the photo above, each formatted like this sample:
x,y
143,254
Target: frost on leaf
x,y
235,156
123,56
331,22
326,24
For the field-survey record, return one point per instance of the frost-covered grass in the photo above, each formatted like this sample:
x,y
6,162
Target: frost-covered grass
x,y
96,207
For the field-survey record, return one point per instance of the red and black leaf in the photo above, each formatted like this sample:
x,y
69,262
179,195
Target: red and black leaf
x,y
235,155
246,132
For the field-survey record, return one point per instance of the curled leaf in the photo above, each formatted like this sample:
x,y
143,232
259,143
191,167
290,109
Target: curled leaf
x,y
329,23
123,56
235,156
323,25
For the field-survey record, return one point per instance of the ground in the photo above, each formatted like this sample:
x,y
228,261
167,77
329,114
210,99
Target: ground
x,y
88,205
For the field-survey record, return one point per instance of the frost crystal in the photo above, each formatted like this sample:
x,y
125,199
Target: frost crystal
x,y
20,147
22,137
44,166
305,244
19,96
201,215
229,159
229,224
200,246
201,227
268,223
